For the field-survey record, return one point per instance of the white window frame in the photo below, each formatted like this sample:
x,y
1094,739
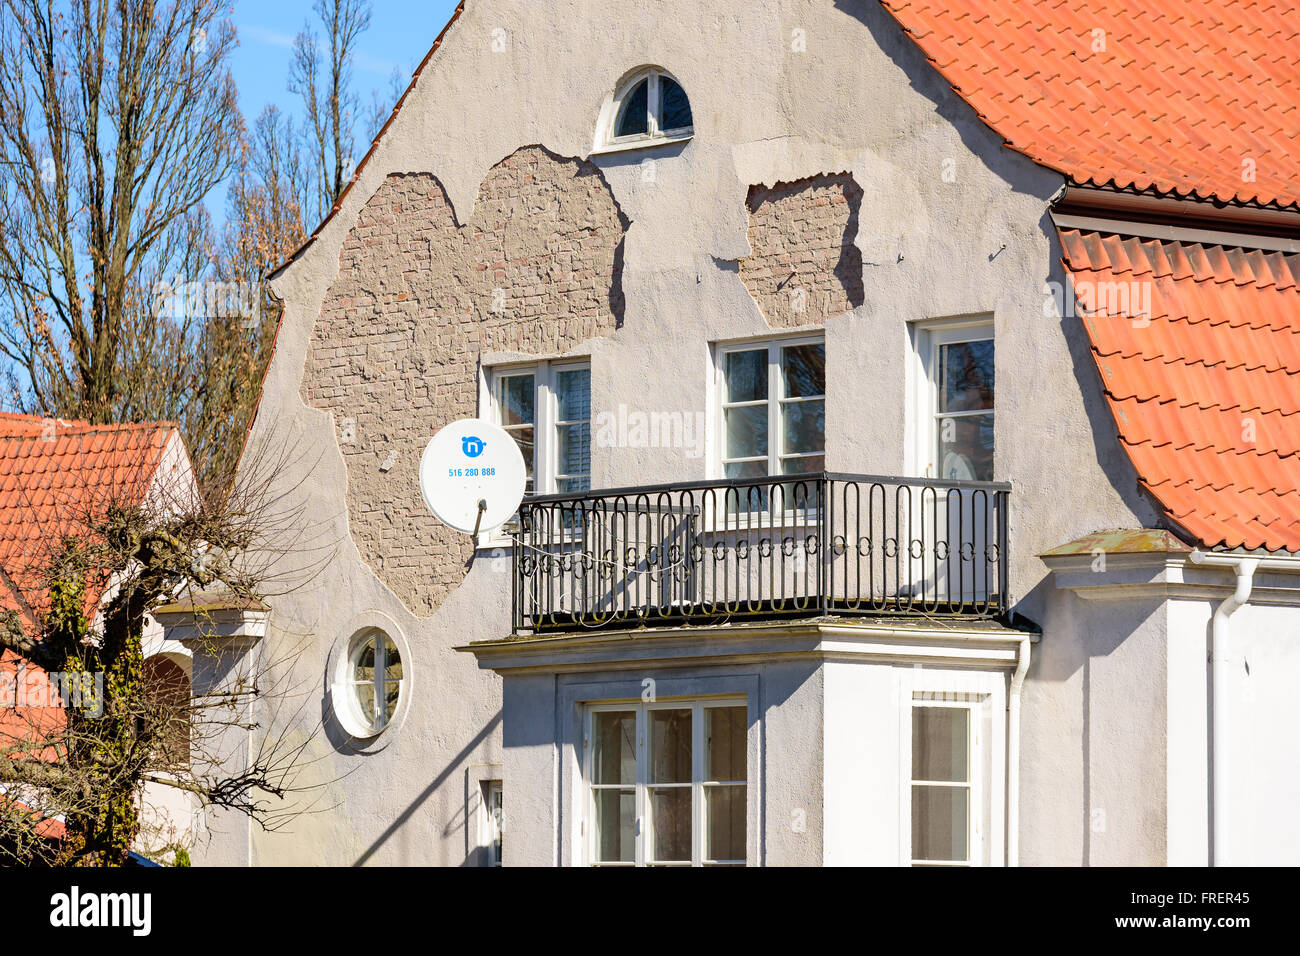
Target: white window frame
x,y
928,337
547,422
643,827
984,694
381,722
972,705
775,400
607,142
493,820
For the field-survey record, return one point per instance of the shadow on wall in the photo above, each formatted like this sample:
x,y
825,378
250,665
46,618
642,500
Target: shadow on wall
x,y
924,77
443,776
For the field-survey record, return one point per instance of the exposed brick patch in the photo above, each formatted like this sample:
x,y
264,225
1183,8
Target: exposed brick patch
x,y
804,267
395,352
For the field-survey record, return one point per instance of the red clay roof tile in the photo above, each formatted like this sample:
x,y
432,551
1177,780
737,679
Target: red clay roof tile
x,y
1199,353
1191,97
56,474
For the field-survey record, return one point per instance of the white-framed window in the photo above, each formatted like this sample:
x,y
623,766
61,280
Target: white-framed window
x,y
649,108
954,405
952,748
494,820
666,783
772,407
546,408
373,681
946,752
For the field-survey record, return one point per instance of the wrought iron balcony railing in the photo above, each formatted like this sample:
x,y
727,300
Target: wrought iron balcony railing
x,y
716,551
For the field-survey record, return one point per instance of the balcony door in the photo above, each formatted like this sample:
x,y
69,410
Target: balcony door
x,y
953,415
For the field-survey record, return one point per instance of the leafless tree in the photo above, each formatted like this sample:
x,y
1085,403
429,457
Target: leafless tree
x,y
383,102
264,225
321,74
117,118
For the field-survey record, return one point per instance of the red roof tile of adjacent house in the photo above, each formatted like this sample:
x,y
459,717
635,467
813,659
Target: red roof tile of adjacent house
x,y
54,476
47,828
1199,352
1189,97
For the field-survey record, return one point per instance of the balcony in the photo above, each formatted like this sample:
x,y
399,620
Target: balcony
x,y
760,549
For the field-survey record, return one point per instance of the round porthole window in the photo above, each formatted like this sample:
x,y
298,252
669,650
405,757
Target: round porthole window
x,y
372,684
370,681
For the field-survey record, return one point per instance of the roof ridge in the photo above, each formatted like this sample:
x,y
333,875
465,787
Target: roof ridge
x,y
66,426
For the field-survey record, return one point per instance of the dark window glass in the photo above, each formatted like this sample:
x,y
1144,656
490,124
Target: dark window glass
x,y
966,376
966,390
803,367
674,107
518,406
805,428
634,118
747,376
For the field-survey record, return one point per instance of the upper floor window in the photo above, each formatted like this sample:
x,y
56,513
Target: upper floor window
x,y
649,108
546,408
955,405
773,408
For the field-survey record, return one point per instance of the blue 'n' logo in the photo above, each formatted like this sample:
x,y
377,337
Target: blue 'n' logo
x,y
473,447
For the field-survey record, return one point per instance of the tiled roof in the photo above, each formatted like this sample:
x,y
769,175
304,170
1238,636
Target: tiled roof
x,y
1199,352
47,828
1189,97
54,475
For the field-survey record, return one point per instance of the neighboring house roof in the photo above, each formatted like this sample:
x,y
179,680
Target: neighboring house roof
x,y
54,476
1189,97
1199,349
47,828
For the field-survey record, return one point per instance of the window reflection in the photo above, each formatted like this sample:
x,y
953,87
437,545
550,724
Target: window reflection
x,y
965,412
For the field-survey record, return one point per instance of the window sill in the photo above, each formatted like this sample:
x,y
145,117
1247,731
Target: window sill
x,y
496,540
649,143
747,521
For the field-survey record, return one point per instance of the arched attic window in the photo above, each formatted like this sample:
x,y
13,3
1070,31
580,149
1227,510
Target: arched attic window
x,y
649,109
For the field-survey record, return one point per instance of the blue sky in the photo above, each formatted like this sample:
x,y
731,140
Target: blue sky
x,y
400,34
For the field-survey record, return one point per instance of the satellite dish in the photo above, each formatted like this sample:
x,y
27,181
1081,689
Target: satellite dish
x,y
472,476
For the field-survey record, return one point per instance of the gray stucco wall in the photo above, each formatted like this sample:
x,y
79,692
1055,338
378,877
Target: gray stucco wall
x,y
1093,770
950,224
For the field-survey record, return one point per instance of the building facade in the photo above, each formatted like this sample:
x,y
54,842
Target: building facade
x,y
57,476
866,414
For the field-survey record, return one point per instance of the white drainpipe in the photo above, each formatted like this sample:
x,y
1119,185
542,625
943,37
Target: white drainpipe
x,y
1221,677
1013,753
